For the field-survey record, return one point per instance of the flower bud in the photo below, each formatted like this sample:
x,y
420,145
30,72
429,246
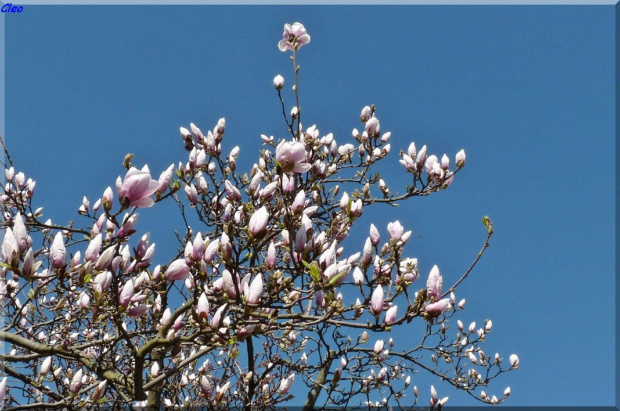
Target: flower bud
x,y
202,308
460,159
76,382
258,222
514,361
376,301
375,237
58,252
45,366
390,314
278,82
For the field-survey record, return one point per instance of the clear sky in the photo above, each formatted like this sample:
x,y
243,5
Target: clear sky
x,y
528,92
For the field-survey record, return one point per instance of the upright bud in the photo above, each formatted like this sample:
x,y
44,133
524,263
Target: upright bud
x,y
278,82
58,252
258,222
460,159
376,301
375,237
108,199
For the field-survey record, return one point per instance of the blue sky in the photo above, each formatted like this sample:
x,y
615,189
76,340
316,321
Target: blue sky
x,y
527,91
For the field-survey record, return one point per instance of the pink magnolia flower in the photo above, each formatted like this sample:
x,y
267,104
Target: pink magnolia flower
x,y
10,249
108,199
375,237
408,162
126,293
434,283
358,276
137,187
211,251
128,225
445,162
58,252
286,384
437,307
202,308
271,255
258,222
102,281
206,386
293,37
292,157
390,314
21,234
396,230
177,270
255,290
366,113
45,367
421,157
76,382
298,202
99,390
379,344
430,162
376,300
92,252
229,285
164,180
84,300
217,317
138,310
460,158
373,128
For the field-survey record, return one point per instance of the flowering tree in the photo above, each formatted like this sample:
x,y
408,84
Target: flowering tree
x,y
261,295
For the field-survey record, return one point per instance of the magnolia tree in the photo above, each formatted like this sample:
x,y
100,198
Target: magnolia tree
x,y
261,302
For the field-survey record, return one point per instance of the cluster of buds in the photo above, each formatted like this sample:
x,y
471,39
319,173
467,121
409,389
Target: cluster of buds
x,y
18,191
438,172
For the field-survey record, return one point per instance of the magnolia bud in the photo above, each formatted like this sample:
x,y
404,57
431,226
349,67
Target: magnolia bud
x,y
278,82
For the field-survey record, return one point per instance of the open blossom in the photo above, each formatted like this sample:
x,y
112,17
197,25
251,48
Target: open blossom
x,y
292,157
137,187
293,37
